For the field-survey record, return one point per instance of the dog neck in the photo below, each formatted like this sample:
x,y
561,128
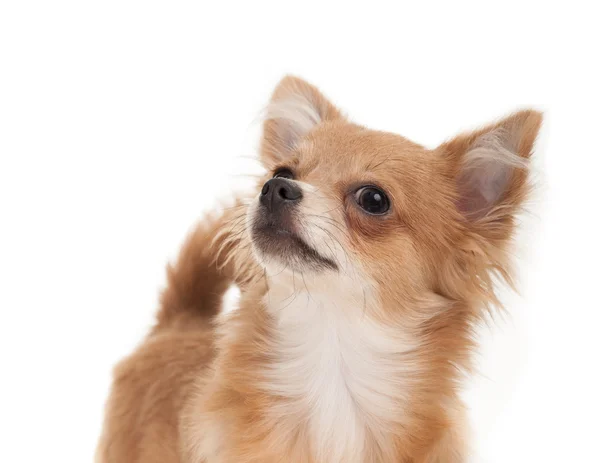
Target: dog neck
x,y
344,373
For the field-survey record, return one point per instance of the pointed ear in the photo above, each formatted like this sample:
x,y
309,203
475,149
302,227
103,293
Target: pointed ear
x,y
296,107
490,169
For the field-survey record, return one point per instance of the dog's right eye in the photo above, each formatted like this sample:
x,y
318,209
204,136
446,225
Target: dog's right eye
x,y
284,173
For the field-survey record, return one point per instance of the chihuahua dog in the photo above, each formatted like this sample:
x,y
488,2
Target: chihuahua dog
x,y
365,262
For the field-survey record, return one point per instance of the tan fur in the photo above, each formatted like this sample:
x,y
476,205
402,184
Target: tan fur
x,y
421,278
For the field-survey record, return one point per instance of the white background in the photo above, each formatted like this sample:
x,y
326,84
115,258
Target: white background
x,y
121,122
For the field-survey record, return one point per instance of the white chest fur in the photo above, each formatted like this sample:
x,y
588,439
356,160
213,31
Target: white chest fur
x,y
344,374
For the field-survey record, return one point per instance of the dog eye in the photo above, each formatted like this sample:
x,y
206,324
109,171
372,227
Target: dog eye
x,y
284,173
372,200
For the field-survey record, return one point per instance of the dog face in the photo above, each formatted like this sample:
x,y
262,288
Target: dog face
x,y
336,202
343,199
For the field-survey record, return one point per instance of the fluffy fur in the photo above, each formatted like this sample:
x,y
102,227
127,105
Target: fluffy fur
x,y
359,362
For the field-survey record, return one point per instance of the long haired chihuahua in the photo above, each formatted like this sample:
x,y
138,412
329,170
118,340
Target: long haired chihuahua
x,y
365,262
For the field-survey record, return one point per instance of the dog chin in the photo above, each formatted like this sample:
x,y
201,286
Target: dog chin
x,y
279,250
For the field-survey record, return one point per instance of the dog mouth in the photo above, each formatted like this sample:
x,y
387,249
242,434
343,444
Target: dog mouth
x,y
284,244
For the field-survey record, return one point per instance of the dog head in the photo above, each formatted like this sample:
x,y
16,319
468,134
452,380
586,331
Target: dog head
x,y
341,199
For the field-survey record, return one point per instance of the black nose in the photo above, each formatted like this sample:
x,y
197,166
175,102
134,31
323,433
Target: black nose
x,y
278,192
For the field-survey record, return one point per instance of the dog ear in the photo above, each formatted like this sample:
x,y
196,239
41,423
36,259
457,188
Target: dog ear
x,y
490,170
296,107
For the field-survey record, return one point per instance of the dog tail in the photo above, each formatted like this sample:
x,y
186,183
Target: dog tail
x,y
206,267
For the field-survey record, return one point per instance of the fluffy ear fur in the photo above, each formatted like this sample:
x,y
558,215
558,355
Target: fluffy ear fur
x,y
296,107
490,169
